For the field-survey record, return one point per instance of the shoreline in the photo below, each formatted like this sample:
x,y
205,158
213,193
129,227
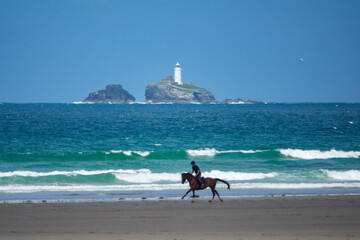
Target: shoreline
x,y
200,196
307,217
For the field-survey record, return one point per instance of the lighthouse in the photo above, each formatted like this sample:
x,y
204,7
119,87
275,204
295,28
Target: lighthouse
x,y
177,74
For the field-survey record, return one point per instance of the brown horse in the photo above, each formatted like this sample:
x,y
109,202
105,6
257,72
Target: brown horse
x,y
210,182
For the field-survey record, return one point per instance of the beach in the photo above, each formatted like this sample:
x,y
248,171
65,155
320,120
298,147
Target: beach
x,y
300,217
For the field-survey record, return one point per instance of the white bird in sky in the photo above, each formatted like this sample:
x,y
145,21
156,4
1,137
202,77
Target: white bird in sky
x,y
301,59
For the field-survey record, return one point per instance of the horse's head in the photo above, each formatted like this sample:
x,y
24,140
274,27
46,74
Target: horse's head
x,y
184,177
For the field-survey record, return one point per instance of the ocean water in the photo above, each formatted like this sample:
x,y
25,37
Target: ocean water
x,y
67,152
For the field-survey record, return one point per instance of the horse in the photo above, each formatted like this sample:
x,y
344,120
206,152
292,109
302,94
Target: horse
x,y
194,185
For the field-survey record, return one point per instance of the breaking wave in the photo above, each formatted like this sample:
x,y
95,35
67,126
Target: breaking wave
x,y
67,173
145,179
146,176
17,188
130,153
350,175
317,154
239,176
212,152
120,155
142,175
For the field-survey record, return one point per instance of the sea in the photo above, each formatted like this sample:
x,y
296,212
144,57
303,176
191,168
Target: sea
x,y
120,152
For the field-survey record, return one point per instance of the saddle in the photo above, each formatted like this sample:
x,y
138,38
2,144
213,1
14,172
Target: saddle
x,y
203,180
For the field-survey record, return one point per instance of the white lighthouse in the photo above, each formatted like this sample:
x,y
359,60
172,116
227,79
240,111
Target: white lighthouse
x,y
177,74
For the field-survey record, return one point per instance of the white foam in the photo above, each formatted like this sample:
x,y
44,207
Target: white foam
x,y
294,185
246,151
240,102
148,177
16,188
317,154
159,103
127,153
144,175
212,152
202,152
350,175
142,153
130,153
83,102
138,103
68,173
239,176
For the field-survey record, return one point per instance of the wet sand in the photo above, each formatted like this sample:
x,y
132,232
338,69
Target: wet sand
x,y
319,217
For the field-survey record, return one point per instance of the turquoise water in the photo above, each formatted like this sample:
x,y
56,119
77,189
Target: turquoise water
x,y
61,151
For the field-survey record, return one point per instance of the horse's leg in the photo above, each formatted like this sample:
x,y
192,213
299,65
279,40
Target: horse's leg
x,y
186,193
218,195
213,192
193,193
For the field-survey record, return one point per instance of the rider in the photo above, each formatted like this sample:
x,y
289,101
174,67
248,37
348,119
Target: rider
x,y
196,169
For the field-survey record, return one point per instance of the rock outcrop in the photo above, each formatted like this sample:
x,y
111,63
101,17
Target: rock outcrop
x,y
113,93
167,91
241,101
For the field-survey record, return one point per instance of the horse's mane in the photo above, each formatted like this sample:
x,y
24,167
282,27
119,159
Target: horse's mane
x,y
188,174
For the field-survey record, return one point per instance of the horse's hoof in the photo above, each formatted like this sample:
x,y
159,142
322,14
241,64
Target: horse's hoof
x,y
221,200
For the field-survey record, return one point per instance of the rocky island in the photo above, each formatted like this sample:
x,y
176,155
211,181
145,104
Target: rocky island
x,y
168,91
113,93
171,90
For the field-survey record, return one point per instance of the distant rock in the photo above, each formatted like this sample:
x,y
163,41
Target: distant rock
x,y
241,101
113,93
168,91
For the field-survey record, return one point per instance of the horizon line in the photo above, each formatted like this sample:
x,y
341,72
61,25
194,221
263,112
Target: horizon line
x,y
262,103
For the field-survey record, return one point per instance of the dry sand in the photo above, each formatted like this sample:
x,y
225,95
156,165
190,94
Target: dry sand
x,y
321,217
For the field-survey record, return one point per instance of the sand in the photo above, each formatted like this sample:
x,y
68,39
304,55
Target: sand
x,y
316,217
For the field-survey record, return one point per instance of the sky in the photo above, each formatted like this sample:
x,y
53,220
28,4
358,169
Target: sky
x,y
59,51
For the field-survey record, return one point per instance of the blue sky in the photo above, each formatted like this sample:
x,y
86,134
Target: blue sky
x,y
59,51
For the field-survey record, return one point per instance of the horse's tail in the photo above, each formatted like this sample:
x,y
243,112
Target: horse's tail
x,y
218,179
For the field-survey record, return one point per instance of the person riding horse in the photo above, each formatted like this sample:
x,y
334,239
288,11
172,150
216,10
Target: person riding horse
x,y
194,186
196,169
195,182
